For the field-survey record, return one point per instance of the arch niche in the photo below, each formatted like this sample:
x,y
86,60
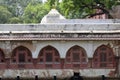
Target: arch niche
x,y
76,57
104,57
49,58
21,58
2,60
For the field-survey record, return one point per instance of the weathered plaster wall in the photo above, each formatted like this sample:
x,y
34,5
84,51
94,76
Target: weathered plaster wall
x,y
59,27
50,73
73,26
61,46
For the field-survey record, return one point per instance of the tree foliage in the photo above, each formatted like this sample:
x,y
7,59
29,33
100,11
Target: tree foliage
x,y
84,8
17,6
34,12
5,15
52,3
15,20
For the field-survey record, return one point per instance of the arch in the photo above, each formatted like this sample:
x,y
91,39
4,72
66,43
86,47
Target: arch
x,y
21,56
2,56
49,57
103,57
76,57
2,60
118,66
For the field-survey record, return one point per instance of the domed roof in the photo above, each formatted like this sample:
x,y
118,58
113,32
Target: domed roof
x,y
52,16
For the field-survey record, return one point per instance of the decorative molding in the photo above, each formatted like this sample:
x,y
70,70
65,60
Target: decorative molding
x,y
61,36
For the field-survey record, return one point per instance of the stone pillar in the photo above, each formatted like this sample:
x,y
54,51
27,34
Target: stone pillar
x,y
118,63
7,49
90,62
35,62
7,63
7,53
34,46
62,63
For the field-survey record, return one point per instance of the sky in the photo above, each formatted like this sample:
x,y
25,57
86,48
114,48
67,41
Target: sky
x,y
43,0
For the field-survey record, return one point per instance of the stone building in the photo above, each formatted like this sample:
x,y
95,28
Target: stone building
x,y
60,46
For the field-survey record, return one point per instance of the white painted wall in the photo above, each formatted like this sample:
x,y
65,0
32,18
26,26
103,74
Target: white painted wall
x,y
61,46
64,46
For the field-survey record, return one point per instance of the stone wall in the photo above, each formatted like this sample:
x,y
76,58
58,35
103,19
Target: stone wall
x,y
46,73
62,47
28,36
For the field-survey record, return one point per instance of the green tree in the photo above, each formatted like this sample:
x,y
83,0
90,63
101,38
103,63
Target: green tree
x,y
53,3
34,12
17,6
5,15
84,8
15,20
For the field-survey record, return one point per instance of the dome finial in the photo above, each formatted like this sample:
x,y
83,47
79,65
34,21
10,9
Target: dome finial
x,y
52,16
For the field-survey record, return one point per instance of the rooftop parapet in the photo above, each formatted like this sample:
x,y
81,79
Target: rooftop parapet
x,y
72,27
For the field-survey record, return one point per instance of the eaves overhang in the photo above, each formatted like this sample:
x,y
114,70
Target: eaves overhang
x,y
58,35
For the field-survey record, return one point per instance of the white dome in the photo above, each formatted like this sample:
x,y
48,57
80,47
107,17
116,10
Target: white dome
x,y
52,16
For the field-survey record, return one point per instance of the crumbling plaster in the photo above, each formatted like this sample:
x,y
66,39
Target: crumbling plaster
x,y
61,46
